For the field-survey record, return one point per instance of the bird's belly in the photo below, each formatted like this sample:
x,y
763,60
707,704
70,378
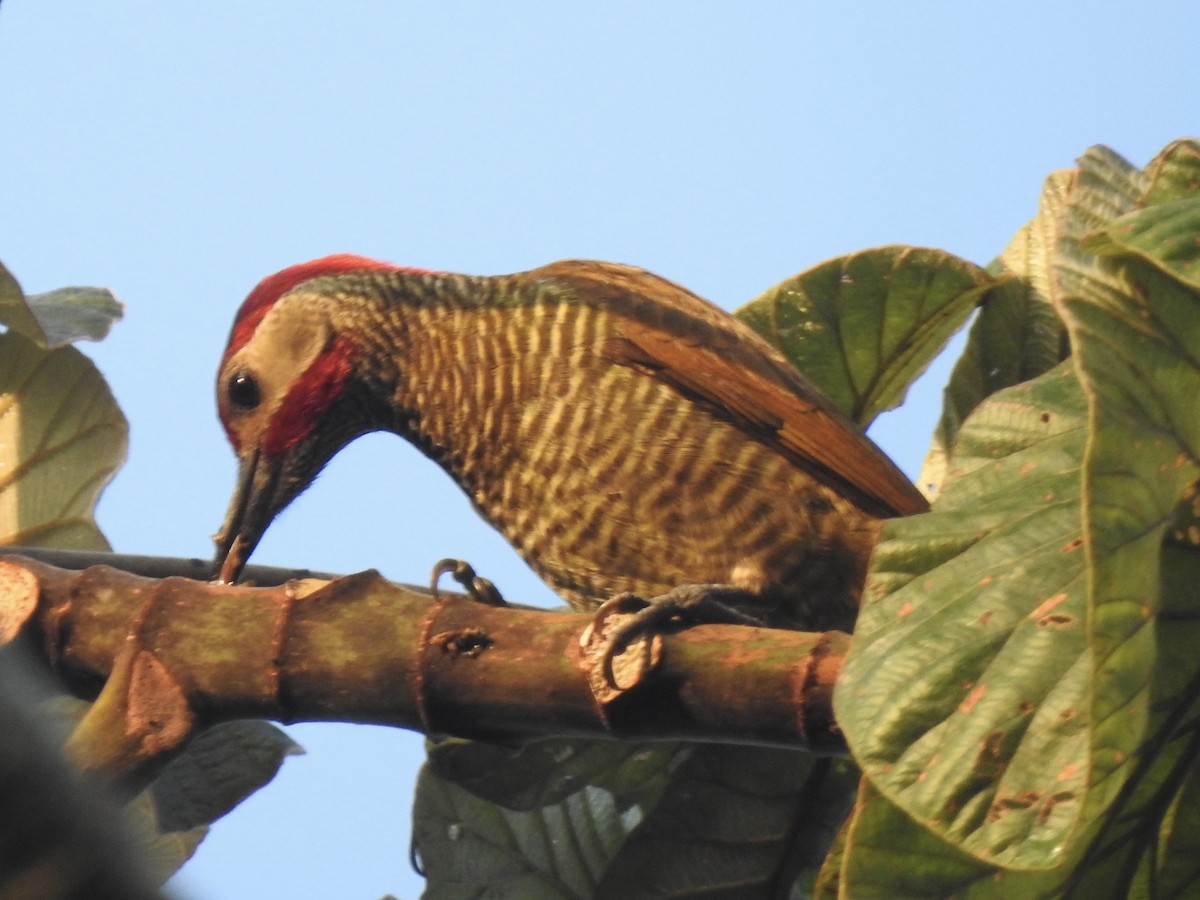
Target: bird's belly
x,y
600,501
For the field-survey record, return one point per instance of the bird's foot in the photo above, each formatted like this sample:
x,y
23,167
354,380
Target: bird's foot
x,y
628,618
478,588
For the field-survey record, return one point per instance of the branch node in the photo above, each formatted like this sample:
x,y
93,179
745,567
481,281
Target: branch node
x,y
424,639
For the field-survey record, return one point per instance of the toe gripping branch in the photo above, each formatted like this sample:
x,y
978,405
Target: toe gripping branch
x,y
623,643
624,639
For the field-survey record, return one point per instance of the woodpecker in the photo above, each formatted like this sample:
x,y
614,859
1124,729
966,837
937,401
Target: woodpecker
x,y
622,433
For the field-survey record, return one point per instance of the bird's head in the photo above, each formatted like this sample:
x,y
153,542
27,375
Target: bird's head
x,y
281,393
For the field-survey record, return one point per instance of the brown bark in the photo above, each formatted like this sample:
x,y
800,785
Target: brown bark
x,y
180,654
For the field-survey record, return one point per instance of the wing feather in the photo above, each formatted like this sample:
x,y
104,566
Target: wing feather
x,y
723,366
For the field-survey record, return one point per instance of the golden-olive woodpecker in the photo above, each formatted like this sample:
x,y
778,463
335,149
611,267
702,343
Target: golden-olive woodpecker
x,y
622,433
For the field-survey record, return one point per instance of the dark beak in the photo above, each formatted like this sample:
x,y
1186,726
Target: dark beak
x,y
255,502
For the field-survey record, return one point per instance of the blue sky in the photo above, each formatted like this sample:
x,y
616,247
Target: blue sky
x,y
179,152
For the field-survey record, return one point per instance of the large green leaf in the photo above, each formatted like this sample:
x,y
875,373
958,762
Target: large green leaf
x,y
862,327
698,821
1144,846
62,437
1139,352
889,855
734,822
964,698
469,847
1113,723
220,768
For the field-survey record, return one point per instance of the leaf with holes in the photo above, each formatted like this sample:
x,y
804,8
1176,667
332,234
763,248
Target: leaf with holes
x,y
862,327
872,864
964,698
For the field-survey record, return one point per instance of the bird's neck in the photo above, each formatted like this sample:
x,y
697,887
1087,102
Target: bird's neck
x,y
430,349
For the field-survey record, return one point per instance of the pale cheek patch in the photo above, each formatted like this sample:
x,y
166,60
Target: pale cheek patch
x,y
281,355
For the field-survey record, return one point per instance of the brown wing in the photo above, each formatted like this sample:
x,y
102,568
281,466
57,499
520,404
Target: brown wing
x,y
721,364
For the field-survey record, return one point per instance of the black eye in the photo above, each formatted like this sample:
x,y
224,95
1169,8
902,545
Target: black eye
x,y
243,390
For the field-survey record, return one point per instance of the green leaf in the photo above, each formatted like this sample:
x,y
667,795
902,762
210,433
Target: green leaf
x,y
469,847
970,770
75,313
1106,186
705,820
1138,352
62,437
60,317
964,697
220,768
735,822
1163,235
1179,839
887,854
1017,334
1175,173
1143,844
15,312
862,327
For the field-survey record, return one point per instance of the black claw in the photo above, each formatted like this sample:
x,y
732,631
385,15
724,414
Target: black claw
x,y
691,604
479,589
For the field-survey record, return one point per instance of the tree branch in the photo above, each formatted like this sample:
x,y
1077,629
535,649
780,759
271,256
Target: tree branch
x,y
183,654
